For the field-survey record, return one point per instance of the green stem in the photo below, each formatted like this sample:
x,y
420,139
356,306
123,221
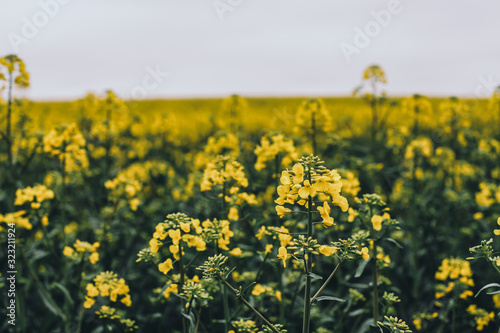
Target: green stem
x,y
281,278
308,266
197,321
326,282
8,129
185,322
261,267
453,317
225,302
248,305
63,190
313,131
80,320
375,281
276,182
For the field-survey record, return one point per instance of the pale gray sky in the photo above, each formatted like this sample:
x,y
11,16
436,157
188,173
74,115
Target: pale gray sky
x,y
251,47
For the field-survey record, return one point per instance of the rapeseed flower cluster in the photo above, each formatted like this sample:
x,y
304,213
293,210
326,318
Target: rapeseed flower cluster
x,y
107,284
458,274
280,147
226,172
125,188
79,249
178,228
12,65
308,179
312,118
35,195
17,218
68,144
481,316
260,289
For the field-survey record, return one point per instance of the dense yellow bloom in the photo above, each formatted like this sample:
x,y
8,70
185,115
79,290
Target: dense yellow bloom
x,y
67,143
221,171
85,246
455,268
220,230
107,284
325,183
124,187
39,193
17,218
80,248
374,73
481,316
312,112
13,68
258,289
280,146
421,146
417,107
269,248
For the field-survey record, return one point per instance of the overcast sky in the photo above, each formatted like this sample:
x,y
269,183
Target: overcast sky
x,y
252,47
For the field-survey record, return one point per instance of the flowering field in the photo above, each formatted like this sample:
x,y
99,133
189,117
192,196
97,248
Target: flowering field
x,y
356,214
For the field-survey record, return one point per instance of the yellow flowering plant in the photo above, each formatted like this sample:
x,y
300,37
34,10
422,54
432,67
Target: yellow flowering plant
x,y
13,73
374,216
107,285
172,239
312,121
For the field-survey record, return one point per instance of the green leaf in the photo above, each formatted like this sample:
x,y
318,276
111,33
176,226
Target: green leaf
x,y
315,276
361,268
488,286
229,273
329,298
395,242
64,291
51,305
356,313
192,321
247,287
